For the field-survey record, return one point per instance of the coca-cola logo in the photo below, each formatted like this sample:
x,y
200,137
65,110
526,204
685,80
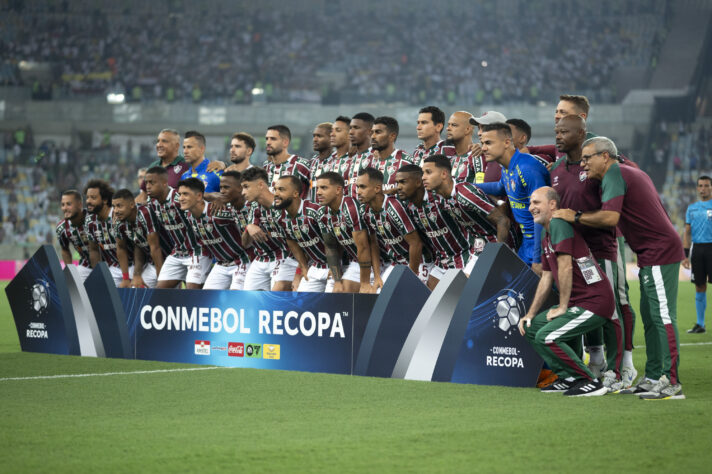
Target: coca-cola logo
x,y
236,349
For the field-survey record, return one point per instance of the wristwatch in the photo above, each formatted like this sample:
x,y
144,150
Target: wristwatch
x,y
577,217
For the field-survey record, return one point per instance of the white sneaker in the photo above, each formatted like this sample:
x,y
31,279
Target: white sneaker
x,y
609,378
664,390
628,375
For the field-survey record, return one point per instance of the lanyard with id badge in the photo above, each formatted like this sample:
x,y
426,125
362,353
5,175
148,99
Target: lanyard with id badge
x,y
589,270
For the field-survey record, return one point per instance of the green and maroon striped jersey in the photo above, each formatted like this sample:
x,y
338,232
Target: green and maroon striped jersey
x,y
449,240
590,289
304,229
68,234
390,225
221,238
343,223
440,148
295,165
146,224
334,163
389,167
175,223
275,247
359,162
102,233
468,168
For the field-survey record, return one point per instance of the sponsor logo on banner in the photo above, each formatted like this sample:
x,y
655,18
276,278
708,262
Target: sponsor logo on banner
x,y
504,356
235,349
218,348
270,351
253,350
37,331
202,348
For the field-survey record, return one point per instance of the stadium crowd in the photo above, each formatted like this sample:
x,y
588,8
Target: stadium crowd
x,y
92,50
340,220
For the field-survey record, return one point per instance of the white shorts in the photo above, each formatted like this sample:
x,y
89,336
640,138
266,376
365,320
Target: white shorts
x,y
226,277
83,271
439,272
352,273
149,275
118,276
264,275
317,280
424,271
189,269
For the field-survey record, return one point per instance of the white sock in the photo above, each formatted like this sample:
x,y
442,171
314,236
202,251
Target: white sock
x,y
627,359
596,354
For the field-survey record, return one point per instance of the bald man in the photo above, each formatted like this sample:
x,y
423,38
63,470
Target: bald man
x,y
585,299
581,194
467,166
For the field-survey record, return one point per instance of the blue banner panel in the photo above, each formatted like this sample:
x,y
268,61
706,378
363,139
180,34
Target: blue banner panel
x,y
492,351
310,332
41,305
109,313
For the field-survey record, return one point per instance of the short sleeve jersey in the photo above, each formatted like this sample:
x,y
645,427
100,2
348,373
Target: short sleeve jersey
x,y
389,167
275,247
440,148
211,179
102,233
643,219
590,289
305,230
343,223
699,217
68,234
359,162
295,165
219,236
468,168
146,223
579,193
175,223
390,225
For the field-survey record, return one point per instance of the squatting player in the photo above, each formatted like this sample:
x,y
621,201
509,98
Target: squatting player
x,y
585,300
71,230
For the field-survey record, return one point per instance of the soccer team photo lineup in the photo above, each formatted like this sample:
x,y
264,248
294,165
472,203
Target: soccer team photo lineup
x,y
342,219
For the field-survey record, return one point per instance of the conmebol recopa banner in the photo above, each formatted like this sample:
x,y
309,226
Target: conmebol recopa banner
x,y
277,330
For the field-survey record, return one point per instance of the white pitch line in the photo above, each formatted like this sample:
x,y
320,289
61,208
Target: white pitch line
x,y
106,374
687,344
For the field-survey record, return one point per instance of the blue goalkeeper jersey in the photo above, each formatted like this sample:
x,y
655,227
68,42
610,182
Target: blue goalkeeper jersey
x,y
524,175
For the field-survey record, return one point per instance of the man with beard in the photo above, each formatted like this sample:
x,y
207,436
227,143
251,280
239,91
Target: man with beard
x,y
298,221
322,161
430,124
467,204
343,230
383,140
281,162
467,165
194,152
361,154
71,230
186,262
242,145
219,235
390,225
102,242
568,178
272,267
131,233
451,242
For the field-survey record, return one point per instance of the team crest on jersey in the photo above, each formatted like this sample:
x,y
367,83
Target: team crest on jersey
x,y
555,181
582,175
387,225
461,169
172,213
209,227
139,231
391,169
305,228
433,217
176,169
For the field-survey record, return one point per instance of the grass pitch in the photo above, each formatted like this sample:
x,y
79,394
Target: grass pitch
x,y
215,419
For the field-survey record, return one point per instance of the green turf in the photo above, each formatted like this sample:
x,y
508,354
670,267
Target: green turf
x,y
215,420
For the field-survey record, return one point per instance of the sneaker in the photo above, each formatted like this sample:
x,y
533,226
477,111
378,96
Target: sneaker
x,y
559,386
598,369
697,329
644,385
628,374
586,388
609,378
664,390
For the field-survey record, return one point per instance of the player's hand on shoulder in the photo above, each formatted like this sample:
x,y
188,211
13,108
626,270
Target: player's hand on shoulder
x,y
216,165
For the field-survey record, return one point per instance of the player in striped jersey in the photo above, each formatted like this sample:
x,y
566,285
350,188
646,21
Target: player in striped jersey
x,y
71,230
383,140
341,161
361,154
102,243
272,268
431,121
451,242
323,160
281,162
131,235
390,226
298,221
187,262
343,229
467,165
125,248
219,237
242,145
467,204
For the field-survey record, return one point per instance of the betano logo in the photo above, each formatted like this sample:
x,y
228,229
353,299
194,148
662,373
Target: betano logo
x,y
270,351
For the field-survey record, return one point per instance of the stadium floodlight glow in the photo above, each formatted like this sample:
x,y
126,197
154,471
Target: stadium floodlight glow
x,y
115,98
484,63
258,91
